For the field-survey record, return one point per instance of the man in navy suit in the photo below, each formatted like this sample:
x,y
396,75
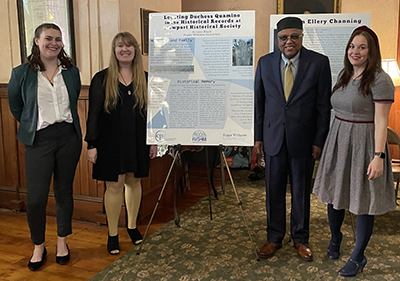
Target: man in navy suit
x,y
292,97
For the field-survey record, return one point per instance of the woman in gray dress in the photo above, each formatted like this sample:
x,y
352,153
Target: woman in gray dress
x,y
355,170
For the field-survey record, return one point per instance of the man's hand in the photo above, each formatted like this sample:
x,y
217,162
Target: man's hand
x,y
316,152
258,147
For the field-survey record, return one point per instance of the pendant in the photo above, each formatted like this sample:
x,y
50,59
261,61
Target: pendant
x,y
129,92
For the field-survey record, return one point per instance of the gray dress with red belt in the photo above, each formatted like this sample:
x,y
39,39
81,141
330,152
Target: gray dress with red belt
x,y
349,148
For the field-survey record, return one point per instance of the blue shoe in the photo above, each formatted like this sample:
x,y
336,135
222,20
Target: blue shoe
x,y
352,267
333,251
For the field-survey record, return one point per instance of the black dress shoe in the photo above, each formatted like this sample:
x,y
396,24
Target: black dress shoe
x,y
36,265
113,245
64,259
135,236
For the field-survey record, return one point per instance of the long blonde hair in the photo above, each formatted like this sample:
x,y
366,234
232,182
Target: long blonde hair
x,y
138,76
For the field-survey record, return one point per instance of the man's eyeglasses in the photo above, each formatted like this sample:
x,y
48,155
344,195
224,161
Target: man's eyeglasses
x,y
293,37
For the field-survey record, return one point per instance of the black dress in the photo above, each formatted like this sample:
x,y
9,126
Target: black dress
x,y
119,136
128,160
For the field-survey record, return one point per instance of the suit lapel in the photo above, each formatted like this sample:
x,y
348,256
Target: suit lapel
x,y
276,69
301,71
29,92
67,80
70,84
31,80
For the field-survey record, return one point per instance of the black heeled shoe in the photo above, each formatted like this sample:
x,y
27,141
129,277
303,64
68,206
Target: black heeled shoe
x,y
64,259
36,265
335,253
113,245
352,267
135,236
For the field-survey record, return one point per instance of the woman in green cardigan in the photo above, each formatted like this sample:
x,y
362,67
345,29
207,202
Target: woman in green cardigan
x,y
43,96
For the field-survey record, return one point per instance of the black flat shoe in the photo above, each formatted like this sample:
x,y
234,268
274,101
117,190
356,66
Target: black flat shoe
x,y
113,245
64,259
135,236
36,265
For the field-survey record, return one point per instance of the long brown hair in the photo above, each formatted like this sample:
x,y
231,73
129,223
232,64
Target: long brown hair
x,y
138,75
34,58
373,65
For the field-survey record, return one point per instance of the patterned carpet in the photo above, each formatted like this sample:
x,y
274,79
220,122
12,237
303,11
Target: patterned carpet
x,y
221,249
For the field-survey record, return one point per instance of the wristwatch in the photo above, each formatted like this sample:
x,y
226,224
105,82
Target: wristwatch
x,y
380,154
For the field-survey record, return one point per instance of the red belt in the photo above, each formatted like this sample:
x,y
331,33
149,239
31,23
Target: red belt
x,y
352,121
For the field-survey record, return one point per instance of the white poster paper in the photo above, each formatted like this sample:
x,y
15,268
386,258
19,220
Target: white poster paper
x,y
201,78
326,34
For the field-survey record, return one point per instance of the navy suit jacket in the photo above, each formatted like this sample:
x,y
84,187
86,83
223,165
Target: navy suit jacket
x,y
304,118
22,98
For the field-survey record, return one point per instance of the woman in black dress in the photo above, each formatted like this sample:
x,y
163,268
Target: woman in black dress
x,y
116,134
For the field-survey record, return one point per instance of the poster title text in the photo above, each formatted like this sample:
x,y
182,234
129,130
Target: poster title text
x,y
202,21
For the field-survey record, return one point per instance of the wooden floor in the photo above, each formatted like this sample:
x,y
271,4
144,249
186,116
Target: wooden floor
x,y
87,243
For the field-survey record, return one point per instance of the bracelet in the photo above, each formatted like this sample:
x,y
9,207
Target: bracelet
x,y
90,147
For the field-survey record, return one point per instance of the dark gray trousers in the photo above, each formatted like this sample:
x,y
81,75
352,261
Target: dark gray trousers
x,y
55,152
277,169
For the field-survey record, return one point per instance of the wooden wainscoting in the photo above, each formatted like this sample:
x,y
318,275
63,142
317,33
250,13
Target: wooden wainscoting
x,y
88,193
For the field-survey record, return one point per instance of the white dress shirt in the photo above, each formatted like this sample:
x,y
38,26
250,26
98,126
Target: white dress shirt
x,y
53,101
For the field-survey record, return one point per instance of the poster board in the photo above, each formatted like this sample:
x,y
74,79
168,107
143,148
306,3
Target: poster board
x,y
201,78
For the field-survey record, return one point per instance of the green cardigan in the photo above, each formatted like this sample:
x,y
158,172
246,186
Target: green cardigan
x,y
22,98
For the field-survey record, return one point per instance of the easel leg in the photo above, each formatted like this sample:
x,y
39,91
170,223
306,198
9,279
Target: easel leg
x,y
238,201
178,150
213,165
208,181
221,161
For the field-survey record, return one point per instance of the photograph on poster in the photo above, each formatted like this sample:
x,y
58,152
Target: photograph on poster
x,y
308,6
242,52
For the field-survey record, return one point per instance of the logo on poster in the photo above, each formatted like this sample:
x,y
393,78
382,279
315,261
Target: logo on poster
x,y
199,136
160,135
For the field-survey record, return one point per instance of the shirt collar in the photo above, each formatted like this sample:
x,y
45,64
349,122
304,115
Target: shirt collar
x,y
294,60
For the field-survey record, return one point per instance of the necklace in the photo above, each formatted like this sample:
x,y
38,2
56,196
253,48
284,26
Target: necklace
x,y
52,76
126,84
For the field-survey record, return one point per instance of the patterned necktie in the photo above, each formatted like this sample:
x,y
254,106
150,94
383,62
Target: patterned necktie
x,y
288,80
